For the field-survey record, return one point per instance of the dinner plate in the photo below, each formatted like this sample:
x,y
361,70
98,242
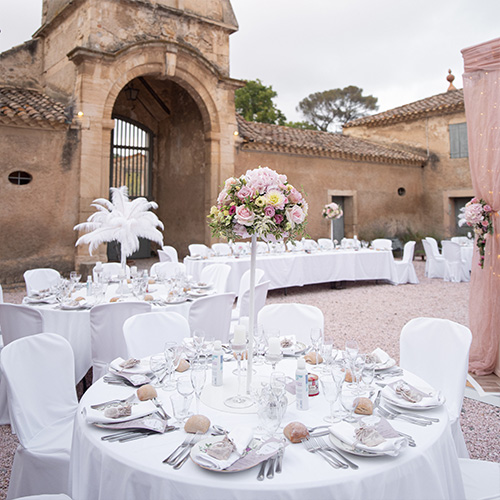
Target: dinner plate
x,y
408,405
201,286
354,451
296,348
199,293
385,366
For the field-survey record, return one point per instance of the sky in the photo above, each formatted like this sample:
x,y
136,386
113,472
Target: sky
x,y
396,50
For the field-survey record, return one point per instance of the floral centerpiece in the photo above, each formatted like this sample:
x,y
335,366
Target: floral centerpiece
x,y
332,211
260,203
478,215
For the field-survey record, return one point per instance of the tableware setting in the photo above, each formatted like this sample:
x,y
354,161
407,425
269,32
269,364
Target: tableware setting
x,y
406,396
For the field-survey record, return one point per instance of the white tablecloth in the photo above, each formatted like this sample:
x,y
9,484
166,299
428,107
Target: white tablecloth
x,y
300,268
133,470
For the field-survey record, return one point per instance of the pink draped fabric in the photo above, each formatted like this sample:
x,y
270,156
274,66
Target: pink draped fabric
x,y
482,108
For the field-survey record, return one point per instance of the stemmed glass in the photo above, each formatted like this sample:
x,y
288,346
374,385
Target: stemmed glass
x,y
157,364
198,377
348,398
239,401
357,366
198,342
351,348
316,336
185,389
331,391
326,351
368,374
74,278
173,354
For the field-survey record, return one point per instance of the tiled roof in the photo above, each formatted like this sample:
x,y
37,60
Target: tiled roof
x,y
29,107
449,102
265,137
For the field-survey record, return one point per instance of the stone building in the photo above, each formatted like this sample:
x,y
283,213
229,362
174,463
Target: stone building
x,y
108,90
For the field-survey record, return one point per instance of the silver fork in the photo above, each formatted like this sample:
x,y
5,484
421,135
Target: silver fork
x,y
331,449
387,414
182,460
312,449
186,441
100,406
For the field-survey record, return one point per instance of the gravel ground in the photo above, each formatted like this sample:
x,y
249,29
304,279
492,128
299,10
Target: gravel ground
x,y
373,313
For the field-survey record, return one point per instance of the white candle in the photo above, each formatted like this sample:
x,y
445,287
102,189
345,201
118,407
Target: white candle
x,y
240,335
274,346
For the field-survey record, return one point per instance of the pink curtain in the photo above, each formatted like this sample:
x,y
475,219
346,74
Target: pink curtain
x,y
482,108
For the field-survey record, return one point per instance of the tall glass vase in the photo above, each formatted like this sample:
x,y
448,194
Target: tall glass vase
x,y
251,326
331,229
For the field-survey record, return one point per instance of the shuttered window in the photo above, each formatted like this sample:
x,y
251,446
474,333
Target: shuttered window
x,y
459,147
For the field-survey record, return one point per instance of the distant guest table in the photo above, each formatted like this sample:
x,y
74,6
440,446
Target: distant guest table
x,y
300,268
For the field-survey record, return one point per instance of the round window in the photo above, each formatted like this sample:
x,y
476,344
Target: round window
x,y
401,191
19,178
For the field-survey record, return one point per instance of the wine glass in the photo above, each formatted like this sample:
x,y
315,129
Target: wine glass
x,y
198,377
157,364
239,401
326,351
348,399
316,336
185,389
278,384
351,348
198,341
368,374
357,366
331,391
172,354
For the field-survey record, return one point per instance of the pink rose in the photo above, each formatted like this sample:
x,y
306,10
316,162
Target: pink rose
x,y
230,182
245,216
474,200
269,211
487,208
223,198
295,215
245,192
485,223
294,196
278,218
232,210
241,231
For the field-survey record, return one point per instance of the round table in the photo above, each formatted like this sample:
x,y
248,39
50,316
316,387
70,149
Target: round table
x,y
128,471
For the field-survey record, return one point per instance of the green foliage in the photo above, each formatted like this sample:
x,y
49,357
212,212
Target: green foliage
x,y
336,107
301,125
255,103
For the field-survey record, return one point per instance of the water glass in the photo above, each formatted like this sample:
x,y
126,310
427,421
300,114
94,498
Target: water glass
x,y
198,377
331,391
173,354
157,364
180,407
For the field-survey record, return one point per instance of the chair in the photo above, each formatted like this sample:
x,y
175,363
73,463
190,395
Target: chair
x,y
292,319
221,249
106,332
244,304
262,247
216,275
40,375
212,314
437,350
198,249
309,245
168,254
455,268
165,270
434,265
145,334
348,243
481,479
111,270
382,244
325,243
434,246
294,245
245,286
241,248
41,279
461,240
404,268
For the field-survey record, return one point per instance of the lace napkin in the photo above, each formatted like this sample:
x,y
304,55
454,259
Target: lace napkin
x,y
140,368
138,410
402,392
288,344
392,442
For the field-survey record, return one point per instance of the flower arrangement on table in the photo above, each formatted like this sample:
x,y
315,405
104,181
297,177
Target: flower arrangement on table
x,y
260,203
478,215
332,211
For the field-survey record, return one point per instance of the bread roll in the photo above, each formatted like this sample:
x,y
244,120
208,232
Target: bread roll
x,y
146,392
348,376
183,366
114,299
78,299
310,358
197,423
295,432
148,297
364,406
151,281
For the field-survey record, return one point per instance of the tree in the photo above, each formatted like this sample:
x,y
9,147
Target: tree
x,y
255,103
336,106
302,125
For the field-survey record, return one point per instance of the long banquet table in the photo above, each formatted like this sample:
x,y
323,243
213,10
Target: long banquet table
x,y
301,268
103,470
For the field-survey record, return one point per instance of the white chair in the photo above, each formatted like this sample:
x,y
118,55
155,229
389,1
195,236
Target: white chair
x,y
434,265
221,249
481,479
216,275
382,244
110,270
244,304
241,248
348,243
145,334
455,268
292,319
168,254
262,247
40,375
404,268
437,350
106,332
165,270
212,315
325,243
434,246
309,245
461,240
244,286
198,249
294,245
41,279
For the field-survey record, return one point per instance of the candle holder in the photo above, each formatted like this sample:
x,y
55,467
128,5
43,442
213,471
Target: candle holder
x,y
239,401
273,359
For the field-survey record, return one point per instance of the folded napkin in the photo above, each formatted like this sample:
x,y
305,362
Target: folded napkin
x,y
240,437
429,396
288,344
392,442
380,356
49,299
138,410
140,368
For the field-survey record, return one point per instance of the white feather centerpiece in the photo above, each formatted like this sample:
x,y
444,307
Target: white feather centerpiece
x,y
122,220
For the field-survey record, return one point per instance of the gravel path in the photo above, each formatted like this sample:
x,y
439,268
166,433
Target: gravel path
x,y
374,314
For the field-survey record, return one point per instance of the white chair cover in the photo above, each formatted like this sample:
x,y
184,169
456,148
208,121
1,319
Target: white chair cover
x,y
241,247
212,315
41,279
437,350
434,265
461,240
221,249
481,479
40,375
259,302
292,319
111,270
294,245
245,282
308,244
434,246
169,254
262,247
216,275
348,243
106,332
456,269
145,334
382,244
325,243
404,268
198,249
165,270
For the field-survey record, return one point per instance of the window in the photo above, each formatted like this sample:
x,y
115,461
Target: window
x,y
19,178
459,147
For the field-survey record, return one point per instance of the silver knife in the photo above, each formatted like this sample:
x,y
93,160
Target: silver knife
x,y
279,460
270,471
262,470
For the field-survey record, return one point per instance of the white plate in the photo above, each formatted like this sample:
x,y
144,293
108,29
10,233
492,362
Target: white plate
x,y
385,366
296,348
199,293
408,405
354,451
201,286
